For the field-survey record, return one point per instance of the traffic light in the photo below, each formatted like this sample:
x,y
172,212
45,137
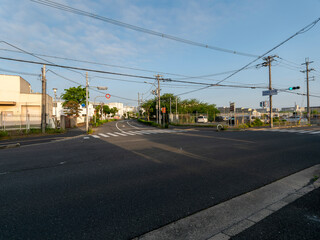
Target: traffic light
x,y
294,88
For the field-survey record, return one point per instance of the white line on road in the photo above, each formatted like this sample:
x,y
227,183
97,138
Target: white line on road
x,y
314,132
120,134
118,127
135,132
113,135
103,135
95,136
128,133
132,125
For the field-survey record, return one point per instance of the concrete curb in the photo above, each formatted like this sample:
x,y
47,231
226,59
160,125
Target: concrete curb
x,y
10,146
229,218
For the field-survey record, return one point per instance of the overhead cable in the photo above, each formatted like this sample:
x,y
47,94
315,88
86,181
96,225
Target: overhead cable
x,y
136,28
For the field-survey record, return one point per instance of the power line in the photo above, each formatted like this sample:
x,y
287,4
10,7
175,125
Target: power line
x,y
121,74
136,28
92,88
184,77
22,73
301,31
76,68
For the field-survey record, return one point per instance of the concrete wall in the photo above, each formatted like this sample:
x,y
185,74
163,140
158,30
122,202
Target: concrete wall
x,y
16,89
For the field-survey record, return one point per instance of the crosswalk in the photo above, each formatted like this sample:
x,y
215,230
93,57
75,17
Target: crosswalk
x,y
133,133
296,131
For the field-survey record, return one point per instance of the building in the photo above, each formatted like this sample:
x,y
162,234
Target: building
x,y
119,106
18,104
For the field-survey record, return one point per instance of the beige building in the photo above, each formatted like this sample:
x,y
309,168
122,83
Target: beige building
x,y
17,100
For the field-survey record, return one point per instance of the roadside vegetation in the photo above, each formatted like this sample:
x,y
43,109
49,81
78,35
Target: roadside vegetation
x,y
31,132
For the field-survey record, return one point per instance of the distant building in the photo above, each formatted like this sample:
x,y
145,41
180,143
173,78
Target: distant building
x,y
18,101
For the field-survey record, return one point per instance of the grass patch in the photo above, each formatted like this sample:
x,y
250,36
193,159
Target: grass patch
x,y
100,122
151,123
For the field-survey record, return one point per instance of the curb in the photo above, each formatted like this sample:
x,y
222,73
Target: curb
x,y
229,218
10,146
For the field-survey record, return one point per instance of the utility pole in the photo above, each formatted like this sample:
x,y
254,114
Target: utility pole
x,y
267,62
307,74
170,106
87,103
176,105
159,101
138,105
44,102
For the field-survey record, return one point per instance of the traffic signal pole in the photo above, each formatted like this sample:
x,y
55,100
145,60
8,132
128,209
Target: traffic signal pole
x,y
308,97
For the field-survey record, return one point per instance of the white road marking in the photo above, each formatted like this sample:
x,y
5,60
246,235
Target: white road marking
x,y
135,132
103,135
128,133
86,137
118,127
95,136
132,125
113,135
120,134
314,132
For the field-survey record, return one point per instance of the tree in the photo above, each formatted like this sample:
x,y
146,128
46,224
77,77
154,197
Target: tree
x,y
73,97
113,111
72,108
76,94
149,107
106,110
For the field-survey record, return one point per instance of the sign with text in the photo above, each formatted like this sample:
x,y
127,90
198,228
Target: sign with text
x,y
270,92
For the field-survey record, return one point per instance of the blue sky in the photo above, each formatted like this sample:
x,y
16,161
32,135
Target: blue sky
x,y
250,26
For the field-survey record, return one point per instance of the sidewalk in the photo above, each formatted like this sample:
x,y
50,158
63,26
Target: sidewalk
x,y
299,220
27,140
273,205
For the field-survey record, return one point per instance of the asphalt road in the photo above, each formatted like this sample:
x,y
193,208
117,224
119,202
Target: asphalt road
x,y
127,180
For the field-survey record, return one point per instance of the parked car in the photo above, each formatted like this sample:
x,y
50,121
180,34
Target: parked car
x,y
202,119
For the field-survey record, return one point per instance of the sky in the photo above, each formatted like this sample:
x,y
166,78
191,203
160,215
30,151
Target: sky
x,y
248,26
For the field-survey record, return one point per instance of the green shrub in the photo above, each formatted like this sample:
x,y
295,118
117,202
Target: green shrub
x,y
243,126
257,122
3,134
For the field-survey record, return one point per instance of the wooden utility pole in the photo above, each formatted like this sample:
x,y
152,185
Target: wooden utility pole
x,y
87,103
43,102
267,62
138,105
307,75
159,101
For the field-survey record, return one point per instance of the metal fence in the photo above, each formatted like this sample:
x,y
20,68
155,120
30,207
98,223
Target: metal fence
x,y
19,122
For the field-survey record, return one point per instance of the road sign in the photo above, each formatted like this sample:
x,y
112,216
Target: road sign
x,y
108,96
270,92
83,105
163,110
